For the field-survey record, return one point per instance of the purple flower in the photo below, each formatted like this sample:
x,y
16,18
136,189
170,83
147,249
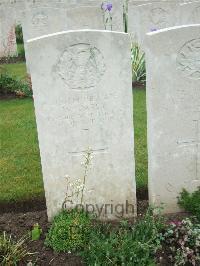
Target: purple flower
x,y
107,6
176,223
153,29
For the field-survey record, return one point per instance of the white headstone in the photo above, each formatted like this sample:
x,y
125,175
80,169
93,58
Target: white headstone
x,y
8,46
190,13
85,13
40,21
85,17
17,6
90,13
151,17
83,98
173,105
46,3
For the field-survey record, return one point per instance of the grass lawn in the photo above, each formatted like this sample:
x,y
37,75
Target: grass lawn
x,y
18,70
140,121
20,48
20,169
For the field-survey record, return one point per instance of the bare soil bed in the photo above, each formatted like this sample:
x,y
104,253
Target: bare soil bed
x,y
19,224
20,220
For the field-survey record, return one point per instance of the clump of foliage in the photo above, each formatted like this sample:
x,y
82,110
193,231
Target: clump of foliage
x,y
11,251
126,244
138,65
12,85
69,231
19,34
190,202
181,241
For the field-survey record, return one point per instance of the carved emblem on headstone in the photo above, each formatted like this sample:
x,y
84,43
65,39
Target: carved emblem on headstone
x,y
40,19
159,17
81,66
188,59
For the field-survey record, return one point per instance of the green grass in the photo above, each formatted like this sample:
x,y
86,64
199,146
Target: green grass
x,y
20,169
18,69
20,48
140,122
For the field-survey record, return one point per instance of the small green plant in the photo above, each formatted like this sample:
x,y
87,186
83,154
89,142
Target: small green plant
x,y
69,231
36,232
190,202
181,241
12,85
126,244
12,251
138,65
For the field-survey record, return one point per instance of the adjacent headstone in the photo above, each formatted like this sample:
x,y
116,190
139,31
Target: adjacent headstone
x,y
19,7
46,3
85,12
151,17
8,46
173,105
85,17
190,13
89,14
81,85
40,21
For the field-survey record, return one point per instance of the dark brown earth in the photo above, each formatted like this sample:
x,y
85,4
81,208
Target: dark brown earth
x,y
17,219
11,60
31,205
7,96
20,224
138,85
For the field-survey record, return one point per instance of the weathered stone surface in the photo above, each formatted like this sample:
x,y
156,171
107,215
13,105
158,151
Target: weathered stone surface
x,y
84,13
85,17
190,13
17,6
8,45
83,98
40,21
150,17
173,104
89,14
